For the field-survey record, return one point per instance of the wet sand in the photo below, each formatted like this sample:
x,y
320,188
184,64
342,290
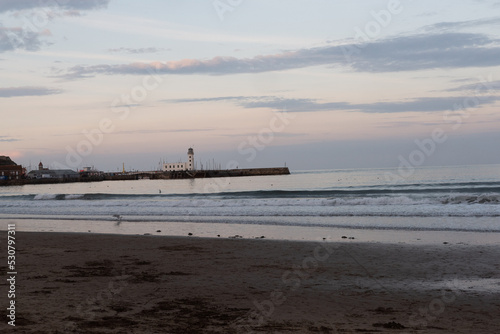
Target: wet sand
x,y
90,283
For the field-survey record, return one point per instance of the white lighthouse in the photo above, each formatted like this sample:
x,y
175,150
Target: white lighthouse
x,y
190,163
178,166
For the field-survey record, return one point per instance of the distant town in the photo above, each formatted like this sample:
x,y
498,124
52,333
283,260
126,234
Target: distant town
x,y
14,174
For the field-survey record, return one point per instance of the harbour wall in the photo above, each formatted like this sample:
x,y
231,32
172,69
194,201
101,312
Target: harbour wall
x,y
156,176
222,173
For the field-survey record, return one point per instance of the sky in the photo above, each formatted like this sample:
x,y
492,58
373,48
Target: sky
x,y
307,84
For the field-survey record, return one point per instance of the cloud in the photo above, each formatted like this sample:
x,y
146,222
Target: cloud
x,y
271,102
15,5
138,50
28,36
454,26
19,38
480,88
72,13
422,104
218,98
27,91
422,52
276,135
161,131
407,53
7,139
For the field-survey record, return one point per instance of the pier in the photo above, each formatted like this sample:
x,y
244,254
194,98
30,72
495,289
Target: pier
x,y
13,174
154,175
197,174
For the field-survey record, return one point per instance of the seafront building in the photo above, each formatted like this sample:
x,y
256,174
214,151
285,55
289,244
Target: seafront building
x,y
9,170
181,166
45,173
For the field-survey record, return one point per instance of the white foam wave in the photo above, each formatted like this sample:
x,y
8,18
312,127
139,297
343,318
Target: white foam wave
x,y
73,196
401,200
45,197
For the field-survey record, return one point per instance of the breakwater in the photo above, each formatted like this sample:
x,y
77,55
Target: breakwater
x,y
156,175
198,174
224,173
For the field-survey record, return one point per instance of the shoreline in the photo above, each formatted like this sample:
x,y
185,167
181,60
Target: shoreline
x,y
254,231
103,283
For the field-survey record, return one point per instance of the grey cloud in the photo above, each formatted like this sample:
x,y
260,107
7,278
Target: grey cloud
x,y
27,91
161,131
276,134
480,87
72,12
423,104
7,139
460,80
453,26
408,53
138,50
216,99
141,132
18,38
448,50
389,125
295,105
271,102
13,5
132,105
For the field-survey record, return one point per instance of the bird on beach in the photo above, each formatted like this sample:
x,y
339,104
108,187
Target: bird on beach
x,y
119,219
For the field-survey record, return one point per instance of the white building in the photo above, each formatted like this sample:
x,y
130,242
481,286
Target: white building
x,y
177,166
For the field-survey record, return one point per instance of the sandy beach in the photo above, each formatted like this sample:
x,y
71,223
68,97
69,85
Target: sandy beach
x,y
91,283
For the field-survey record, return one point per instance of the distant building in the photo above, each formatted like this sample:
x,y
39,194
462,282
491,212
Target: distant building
x,y
40,166
45,173
90,172
9,170
179,166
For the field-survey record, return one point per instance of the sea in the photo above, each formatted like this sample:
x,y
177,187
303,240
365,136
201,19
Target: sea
x,y
307,204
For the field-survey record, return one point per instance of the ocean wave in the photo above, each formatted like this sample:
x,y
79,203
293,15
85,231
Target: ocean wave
x,y
460,205
465,199
57,197
473,192
474,199
45,197
279,200
74,196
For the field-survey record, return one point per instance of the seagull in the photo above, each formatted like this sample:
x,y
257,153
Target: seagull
x,y
119,219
